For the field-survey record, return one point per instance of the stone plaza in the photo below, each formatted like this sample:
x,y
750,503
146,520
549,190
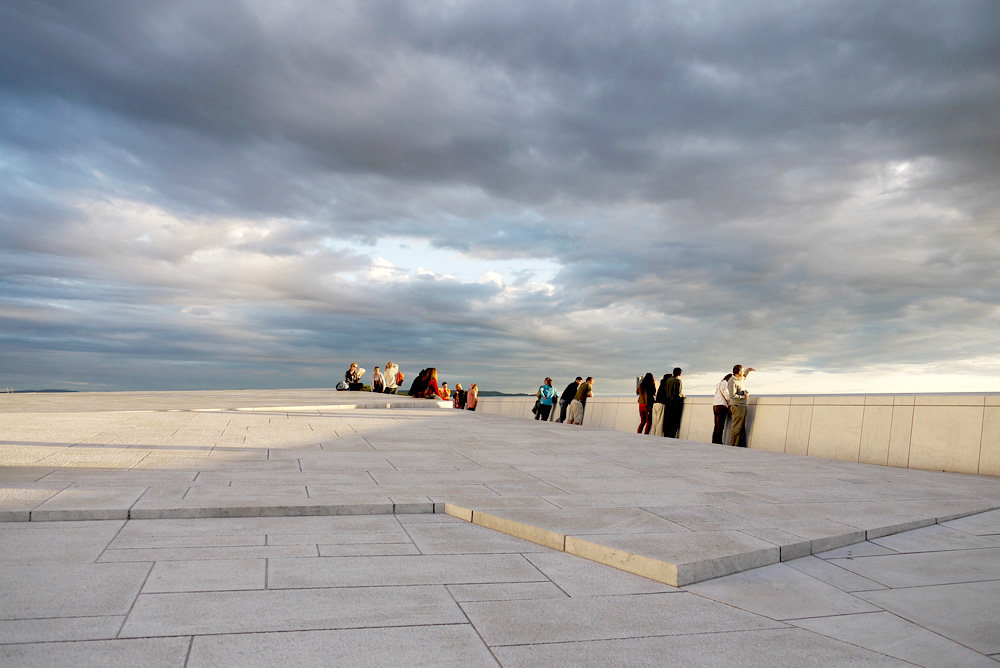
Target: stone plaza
x,y
309,527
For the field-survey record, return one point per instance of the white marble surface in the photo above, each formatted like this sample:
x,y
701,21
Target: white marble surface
x,y
295,590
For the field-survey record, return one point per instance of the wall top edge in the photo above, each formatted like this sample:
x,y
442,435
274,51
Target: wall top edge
x,y
793,396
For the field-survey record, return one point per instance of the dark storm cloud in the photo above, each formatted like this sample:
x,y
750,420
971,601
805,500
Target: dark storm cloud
x,y
812,184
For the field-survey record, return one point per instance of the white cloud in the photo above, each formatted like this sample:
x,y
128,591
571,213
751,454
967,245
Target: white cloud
x,y
499,187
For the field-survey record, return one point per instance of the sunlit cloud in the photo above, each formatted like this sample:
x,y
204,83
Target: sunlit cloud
x,y
246,193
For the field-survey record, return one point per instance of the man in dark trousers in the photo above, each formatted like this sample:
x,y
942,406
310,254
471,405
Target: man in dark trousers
x,y
674,394
567,396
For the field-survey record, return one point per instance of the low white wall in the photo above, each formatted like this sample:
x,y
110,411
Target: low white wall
x,y
938,432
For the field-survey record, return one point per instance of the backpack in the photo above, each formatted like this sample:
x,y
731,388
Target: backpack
x,y
399,378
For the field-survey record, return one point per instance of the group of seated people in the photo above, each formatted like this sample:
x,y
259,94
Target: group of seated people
x,y
387,382
424,387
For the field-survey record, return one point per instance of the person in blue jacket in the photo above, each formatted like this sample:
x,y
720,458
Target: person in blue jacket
x,y
546,397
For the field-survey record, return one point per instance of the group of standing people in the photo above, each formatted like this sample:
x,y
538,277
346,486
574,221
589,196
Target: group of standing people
x,y
661,408
572,402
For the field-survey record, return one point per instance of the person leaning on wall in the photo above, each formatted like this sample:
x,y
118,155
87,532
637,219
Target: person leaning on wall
x,y
546,396
738,406
660,407
579,403
720,408
647,393
567,396
674,405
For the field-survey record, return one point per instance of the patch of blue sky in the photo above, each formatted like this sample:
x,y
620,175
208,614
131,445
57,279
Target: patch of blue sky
x,y
409,257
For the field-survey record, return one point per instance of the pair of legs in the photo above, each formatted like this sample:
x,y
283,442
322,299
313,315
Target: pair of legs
x,y
576,412
563,405
657,420
543,412
672,417
721,413
737,436
645,418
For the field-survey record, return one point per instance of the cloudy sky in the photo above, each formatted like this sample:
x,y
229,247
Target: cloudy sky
x,y
230,194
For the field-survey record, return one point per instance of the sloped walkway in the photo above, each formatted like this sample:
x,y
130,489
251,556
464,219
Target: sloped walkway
x,y
253,523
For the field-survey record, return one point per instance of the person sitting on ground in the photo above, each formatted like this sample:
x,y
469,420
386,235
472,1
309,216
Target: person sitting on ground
x,y
353,377
473,399
459,396
546,395
378,381
419,383
429,385
444,392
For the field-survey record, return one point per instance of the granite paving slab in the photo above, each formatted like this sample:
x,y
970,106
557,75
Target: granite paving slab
x,y
457,646
146,652
53,629
920,569
966,612
206,575
69,590
288,610
748,649
781,592
893,636
44,542
603,618
403,570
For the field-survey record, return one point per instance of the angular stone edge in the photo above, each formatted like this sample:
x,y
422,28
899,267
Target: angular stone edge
x,y
647,567
680,575
375,405
217,512
654,569
543,537
78,514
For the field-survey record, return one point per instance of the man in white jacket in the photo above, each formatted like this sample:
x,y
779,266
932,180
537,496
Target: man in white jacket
x,y
390,378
